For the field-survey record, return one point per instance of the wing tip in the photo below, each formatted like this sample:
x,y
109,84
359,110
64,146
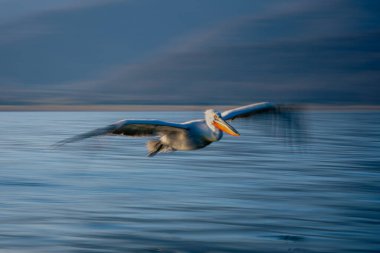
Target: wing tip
x,y
93,133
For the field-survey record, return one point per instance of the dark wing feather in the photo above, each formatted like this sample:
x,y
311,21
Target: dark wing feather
x,y
251,110
136,128
281,120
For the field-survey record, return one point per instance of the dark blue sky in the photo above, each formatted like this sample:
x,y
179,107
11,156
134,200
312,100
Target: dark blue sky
x,y
185,52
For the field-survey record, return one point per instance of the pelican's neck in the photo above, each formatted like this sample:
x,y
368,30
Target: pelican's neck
x,y
209,118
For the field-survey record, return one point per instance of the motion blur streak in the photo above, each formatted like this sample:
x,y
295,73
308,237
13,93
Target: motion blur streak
x,y
257,195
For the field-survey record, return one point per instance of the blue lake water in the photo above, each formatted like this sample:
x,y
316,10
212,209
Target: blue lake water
x,y
243,194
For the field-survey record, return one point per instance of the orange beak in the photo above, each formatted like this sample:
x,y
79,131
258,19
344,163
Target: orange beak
x,y
225,127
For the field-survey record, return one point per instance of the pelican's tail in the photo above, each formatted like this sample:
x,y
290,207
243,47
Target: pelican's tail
x,y
156,146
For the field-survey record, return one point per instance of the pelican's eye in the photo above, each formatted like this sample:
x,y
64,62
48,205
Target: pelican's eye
x,y
215,117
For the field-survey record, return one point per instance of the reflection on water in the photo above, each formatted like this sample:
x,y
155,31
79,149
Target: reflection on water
x,y
247,194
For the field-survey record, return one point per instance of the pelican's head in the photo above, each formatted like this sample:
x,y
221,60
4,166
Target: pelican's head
x,y
214,120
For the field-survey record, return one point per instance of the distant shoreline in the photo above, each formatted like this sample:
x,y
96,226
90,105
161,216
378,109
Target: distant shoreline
x,y
25,108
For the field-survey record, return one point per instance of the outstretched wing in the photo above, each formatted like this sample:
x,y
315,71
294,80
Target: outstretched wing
x,y
251,110
136,128
280,119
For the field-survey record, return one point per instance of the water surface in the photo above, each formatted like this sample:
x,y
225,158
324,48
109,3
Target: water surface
x,y
246,194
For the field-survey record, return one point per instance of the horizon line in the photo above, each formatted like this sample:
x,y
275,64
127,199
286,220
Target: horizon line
x,y
96,107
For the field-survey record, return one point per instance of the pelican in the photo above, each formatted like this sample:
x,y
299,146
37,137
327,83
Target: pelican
x,y
190,135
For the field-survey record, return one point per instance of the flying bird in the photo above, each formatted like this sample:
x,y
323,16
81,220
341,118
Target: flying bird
x,y
190,135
